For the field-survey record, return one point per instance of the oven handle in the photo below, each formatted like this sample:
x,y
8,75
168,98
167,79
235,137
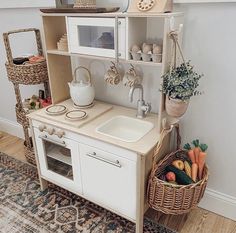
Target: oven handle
x,y
63,144
94,156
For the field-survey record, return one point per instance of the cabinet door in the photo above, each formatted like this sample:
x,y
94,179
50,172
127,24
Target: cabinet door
x,y
59,160
96,36
109,180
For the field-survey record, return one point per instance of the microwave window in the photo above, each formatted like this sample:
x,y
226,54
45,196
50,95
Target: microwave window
x,y
96,37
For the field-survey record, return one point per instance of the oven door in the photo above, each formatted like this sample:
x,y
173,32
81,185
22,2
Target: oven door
x,y
59,160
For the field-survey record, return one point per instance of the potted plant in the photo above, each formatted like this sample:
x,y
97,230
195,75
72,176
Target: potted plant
x,y
179,85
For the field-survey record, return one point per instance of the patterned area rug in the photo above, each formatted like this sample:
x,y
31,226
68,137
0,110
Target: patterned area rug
x,y
25,209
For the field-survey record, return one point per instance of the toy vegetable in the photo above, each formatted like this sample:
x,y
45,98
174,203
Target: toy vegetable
x,y
202,159
190,152
194,172
196,149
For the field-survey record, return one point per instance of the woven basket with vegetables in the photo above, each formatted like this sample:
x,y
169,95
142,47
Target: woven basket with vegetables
x,y
176,184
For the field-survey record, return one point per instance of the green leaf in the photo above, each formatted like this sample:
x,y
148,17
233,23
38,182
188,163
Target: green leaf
x,y
204,147
187,146
181,83
196,142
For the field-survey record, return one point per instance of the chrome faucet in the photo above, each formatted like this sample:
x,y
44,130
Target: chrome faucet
x,y
143,108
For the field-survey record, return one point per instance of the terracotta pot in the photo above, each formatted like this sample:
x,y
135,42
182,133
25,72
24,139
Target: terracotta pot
x,y
176,107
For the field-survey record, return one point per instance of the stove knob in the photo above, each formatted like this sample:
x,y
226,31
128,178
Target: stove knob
x,y
42,128
60,133
50,131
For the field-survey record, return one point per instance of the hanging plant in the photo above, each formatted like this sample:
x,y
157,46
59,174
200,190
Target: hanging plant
x,y
180,83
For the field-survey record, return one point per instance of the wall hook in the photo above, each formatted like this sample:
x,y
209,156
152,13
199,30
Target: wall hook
x,y
172,26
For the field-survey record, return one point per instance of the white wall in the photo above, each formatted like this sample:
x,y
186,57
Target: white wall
x,y
209,41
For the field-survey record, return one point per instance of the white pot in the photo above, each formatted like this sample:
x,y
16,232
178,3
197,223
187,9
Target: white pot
x,y
176,107
82,93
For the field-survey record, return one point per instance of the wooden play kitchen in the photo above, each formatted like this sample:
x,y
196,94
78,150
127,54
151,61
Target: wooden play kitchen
x,y
81,148
111,171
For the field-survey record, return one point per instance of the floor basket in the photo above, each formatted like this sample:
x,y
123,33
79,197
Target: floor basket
x,y
174,199
29,154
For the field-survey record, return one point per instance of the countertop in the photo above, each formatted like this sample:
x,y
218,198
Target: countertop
x,y
143,146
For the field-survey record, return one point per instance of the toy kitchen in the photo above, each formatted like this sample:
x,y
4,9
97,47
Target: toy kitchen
x,y
88,141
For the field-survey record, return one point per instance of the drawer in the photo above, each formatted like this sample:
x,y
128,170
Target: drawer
x,y
109,180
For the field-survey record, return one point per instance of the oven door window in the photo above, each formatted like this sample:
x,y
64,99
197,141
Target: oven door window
x,y
58,159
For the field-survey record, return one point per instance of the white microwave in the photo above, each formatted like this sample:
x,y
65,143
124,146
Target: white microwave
x,y
97,36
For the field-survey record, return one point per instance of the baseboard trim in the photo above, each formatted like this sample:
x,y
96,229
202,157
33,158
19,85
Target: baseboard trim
x,y
219,203
11,127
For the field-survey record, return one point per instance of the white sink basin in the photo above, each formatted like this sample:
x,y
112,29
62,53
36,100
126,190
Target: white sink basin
x,y
124,128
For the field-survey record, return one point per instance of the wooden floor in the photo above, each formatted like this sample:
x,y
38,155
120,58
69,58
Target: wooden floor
x,y
198,221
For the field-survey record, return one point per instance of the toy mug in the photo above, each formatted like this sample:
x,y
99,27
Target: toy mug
x,y
112,76
131,78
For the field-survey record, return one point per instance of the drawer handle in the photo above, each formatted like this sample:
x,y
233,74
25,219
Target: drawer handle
x,y
63,144
94,155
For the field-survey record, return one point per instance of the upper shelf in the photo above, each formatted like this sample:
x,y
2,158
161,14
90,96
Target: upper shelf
x,y
118,14
64,53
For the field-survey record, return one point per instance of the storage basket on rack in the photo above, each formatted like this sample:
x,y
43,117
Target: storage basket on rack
x,y
21,116
169,198
29,153
87,4
29,74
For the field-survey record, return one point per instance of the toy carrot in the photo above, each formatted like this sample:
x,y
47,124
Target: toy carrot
x,y
194,172
190,152
196,149
202,159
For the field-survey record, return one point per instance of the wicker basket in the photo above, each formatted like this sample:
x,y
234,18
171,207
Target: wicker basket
x,y
174,199
29,154
21,116
85,4
29,74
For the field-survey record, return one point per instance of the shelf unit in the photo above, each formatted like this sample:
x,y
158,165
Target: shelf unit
x,y
151,28
30,74
129,61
